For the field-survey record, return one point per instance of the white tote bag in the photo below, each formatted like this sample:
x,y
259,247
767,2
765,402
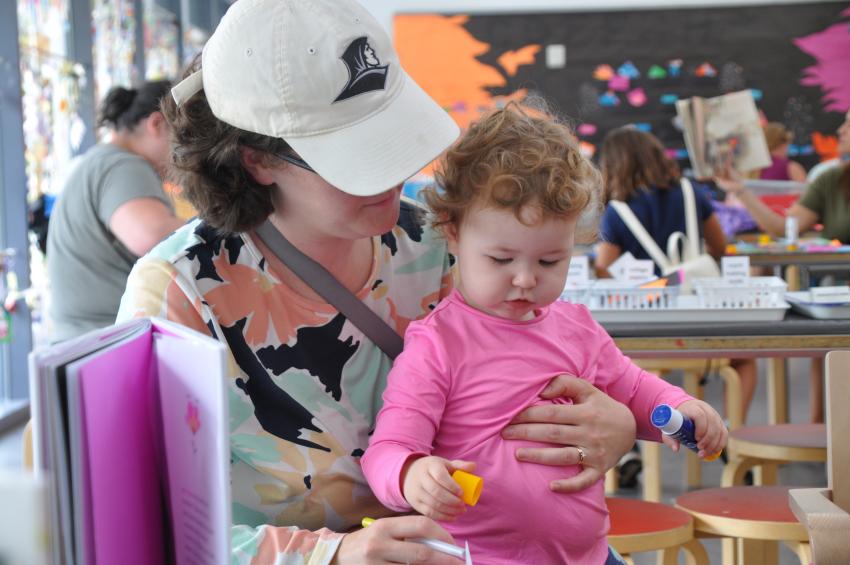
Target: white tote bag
x,y
694,264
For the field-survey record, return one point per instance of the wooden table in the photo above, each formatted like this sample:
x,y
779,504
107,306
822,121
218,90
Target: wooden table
x,y
795,336
800,263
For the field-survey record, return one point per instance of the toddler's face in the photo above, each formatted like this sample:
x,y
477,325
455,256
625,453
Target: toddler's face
x,y
508,269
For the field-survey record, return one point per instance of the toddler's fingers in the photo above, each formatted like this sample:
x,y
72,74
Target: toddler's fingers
x,y
670,442
443,488
440,510
442,476
460,464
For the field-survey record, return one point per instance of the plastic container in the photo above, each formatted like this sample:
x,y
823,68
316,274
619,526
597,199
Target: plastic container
x,y
613,295
755,292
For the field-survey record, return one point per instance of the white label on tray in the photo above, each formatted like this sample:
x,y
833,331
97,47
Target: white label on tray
x,y
617,269
735,269
830,294
579,273
639,270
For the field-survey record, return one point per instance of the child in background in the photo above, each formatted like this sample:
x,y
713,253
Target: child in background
x,y
514,187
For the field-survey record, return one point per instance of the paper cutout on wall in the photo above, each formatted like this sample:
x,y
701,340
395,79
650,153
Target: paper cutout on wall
x,y
609,99
668,99
637,97
706,70
656,72
603,72
629,70
587,149
586,129
757,94
798,150
674,67
826,146
618,83
829,48
643,126
512,60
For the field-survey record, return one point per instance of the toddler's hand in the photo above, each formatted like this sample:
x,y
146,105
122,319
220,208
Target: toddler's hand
x,y
711,432
428,487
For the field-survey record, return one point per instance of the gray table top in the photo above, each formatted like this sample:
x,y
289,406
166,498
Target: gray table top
x,y
793,324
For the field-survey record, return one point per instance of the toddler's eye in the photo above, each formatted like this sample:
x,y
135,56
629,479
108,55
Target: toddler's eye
x,y
546,263
501,260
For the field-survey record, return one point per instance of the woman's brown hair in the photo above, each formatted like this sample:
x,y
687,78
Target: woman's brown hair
x,y
511,158
631,160
206,163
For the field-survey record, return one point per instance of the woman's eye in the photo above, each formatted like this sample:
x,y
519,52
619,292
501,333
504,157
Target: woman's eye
x,y
501,260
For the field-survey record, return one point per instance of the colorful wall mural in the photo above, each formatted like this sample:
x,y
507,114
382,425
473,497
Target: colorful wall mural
x,y
607,69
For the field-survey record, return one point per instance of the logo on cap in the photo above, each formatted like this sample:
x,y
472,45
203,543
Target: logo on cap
x,y
365,72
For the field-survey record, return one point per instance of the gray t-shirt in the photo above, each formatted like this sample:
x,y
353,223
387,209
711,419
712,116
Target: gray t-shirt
x,y
87,265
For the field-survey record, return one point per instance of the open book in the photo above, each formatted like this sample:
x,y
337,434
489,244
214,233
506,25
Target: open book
x,y
130,426
716,129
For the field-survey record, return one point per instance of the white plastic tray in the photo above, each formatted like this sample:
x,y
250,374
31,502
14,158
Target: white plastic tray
x,y
688,310
801,302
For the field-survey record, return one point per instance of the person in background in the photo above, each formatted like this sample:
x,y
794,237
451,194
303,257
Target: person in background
x,y
511,193
823,166
826,201
636,171
315,132
112,209
781,167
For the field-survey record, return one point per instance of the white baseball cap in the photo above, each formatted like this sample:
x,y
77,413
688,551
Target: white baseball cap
x,y
323,76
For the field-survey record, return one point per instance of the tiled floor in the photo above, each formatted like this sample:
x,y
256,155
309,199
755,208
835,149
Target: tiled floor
x,y
672,464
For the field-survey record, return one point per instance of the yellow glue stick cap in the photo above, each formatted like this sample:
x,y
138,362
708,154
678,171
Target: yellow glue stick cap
x,y
471,485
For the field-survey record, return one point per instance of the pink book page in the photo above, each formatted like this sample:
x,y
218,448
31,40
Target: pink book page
x,y
119,408
192,395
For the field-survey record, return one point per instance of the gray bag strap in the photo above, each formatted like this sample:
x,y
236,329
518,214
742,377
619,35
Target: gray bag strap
x,y
326,285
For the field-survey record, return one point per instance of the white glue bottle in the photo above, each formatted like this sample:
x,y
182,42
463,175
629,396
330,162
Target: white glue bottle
x,y
673,423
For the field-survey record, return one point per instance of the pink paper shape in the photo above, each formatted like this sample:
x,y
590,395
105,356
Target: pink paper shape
x,y
587,129
619,83
637,97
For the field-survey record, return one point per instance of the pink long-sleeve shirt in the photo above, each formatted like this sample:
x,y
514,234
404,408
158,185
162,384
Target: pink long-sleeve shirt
x,y
462,377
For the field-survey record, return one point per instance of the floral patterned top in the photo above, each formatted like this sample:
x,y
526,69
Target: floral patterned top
x,y
305,384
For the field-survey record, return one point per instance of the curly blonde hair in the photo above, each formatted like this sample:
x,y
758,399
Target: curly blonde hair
x,y
513,158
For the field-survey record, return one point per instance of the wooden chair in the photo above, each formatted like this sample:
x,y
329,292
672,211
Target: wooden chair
x,y
764,448
756,517
638,525
826,512
693,370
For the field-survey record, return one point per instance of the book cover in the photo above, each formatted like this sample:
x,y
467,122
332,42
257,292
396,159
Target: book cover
x,y
722,129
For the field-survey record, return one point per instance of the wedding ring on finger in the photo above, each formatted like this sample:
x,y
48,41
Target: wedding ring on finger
x,y
580,455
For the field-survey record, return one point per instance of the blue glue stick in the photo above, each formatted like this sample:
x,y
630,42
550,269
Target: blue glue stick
x,y
673,423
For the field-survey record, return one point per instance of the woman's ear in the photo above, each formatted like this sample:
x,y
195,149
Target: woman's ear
x,y
254,163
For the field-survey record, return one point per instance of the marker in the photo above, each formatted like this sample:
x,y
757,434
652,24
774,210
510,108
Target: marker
x,y
435,544
673,423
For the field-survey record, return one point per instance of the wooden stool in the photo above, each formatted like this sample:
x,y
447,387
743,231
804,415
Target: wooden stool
x,y
651,451
765,447
638,525
756,517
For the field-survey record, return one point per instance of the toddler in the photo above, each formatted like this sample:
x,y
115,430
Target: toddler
x,y
513,189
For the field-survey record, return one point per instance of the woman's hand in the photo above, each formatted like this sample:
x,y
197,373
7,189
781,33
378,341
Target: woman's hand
x,y
428,486
710,431
596,430
387,541
730,180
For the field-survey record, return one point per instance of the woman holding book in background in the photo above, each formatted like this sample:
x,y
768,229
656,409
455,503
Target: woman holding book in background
x,y
323,161
826,201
